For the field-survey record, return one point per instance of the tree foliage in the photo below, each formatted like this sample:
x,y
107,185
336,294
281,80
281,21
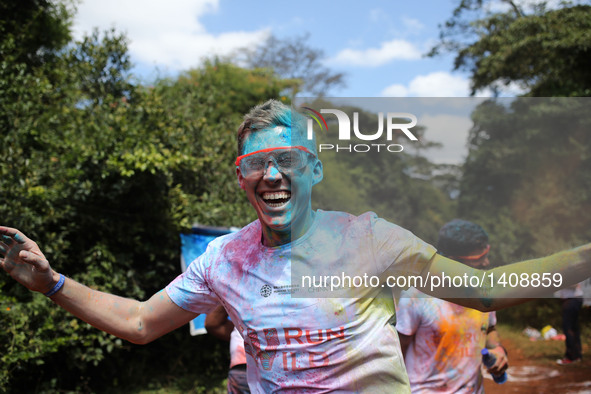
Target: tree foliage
x,y
545,52
527,174
293,59
32,30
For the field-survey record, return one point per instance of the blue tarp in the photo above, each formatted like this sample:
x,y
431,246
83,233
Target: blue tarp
x,y
192,246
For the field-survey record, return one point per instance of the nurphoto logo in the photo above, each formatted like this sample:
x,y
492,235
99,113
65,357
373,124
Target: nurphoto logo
x,y
394,121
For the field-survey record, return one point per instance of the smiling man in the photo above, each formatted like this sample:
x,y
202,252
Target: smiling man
x,y
293,342
299,343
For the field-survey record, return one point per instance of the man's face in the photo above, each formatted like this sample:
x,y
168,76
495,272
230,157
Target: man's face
x,y
281,198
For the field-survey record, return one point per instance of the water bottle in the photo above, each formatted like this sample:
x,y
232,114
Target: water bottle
x,y
489,360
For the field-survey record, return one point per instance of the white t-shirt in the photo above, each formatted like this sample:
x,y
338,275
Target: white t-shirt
x,y
445,353
295,343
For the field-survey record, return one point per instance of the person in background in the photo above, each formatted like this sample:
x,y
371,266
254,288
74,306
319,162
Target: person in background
x,y
572,301
441,341
218,324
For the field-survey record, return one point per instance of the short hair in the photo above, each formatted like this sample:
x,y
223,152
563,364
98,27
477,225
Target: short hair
x,y
460,238
271,113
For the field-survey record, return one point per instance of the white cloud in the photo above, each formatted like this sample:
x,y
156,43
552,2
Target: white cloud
x,y
511,90
373,57
163,33
444,84
412,24
395,90
435,84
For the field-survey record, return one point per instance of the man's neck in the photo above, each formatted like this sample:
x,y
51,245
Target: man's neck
x,y
273,238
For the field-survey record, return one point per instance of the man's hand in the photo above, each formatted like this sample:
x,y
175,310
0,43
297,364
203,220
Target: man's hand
x,y
24,261
502,362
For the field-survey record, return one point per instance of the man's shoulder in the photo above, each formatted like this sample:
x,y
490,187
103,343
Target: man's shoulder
x,y
247,235
346,219
366,223
347,215
366,217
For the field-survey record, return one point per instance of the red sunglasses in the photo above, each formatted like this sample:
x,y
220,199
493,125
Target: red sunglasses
x,y
476,257
302,148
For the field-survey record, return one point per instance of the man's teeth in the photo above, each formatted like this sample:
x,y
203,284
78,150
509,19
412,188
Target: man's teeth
x,y
276,195
276,199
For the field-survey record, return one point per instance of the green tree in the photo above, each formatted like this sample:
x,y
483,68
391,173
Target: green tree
x,y
526,177
104,174
292,59
32,30
545,52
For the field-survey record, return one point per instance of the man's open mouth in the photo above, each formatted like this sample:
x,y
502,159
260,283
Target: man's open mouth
x,y
276,199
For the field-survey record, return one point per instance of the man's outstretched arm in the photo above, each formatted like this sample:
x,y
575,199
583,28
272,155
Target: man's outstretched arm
x,y
135,321
484,290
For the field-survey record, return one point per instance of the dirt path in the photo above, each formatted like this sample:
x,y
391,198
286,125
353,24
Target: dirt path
x,y
541,376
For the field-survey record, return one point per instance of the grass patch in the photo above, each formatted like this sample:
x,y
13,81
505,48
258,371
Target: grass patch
x,y
543,351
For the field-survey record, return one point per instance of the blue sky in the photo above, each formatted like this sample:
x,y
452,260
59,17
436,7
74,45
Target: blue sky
x,y
379,45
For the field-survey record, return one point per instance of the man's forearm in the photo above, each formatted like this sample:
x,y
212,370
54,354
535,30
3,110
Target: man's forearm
x,y
116,315
510,284
135,321
562,269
